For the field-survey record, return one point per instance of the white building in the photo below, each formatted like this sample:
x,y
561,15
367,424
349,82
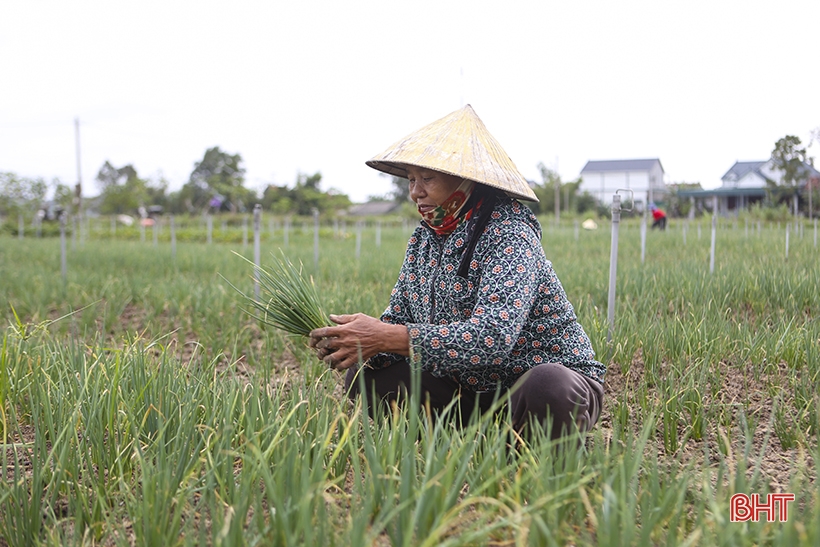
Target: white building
x,y
748,174
746,183
644,177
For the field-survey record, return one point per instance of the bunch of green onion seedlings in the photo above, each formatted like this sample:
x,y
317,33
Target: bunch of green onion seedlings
x,y
288,301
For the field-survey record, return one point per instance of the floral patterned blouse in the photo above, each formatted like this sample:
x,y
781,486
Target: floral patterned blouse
x,y
509,314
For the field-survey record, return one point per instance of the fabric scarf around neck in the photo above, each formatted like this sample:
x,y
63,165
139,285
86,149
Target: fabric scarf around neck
x,y
445,218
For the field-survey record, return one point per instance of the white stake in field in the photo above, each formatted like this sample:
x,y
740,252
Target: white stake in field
x,y
316,240
787,241
173,240
257,254
358,239
613,261
643,237
63,266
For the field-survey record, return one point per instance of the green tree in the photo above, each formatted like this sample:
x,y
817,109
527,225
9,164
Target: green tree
x,y
789,158
123,191
303,198
219,175
545,191
676,206
157,192
585,202
19,194
335,200
63,195
276,199
310,182
306,196
401,189
109,175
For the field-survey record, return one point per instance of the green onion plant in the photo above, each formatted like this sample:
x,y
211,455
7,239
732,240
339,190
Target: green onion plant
x,y
290,301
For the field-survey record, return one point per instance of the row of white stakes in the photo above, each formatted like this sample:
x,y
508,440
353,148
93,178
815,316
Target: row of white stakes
x,y
80,228
257,217
613,259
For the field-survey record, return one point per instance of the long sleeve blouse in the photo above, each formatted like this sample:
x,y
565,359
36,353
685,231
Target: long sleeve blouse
x,y
509,314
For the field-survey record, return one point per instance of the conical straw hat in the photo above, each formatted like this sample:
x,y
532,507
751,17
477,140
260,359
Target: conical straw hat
x,y
458,144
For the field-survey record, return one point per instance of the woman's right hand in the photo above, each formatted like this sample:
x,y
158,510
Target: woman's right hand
x,y
357,337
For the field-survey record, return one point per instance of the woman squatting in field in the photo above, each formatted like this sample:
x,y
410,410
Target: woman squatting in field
x,y
477,307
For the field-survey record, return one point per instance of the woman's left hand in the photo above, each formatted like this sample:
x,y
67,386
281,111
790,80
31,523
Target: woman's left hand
x,y
357,337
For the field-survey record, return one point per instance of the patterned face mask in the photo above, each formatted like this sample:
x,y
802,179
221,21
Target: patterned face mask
x,y
445,218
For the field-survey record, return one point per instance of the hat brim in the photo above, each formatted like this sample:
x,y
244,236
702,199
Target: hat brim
x,y
399,170
460,145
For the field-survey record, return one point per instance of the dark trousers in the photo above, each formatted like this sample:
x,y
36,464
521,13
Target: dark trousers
x,y
550,395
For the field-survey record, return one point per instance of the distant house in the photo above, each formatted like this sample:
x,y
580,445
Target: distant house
x,y
374,208
644,177
745,184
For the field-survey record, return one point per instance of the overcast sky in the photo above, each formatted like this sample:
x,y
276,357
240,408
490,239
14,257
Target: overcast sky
x,y
308,86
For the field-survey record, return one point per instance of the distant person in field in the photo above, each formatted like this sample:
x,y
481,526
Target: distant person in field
x,y
658,217
477,307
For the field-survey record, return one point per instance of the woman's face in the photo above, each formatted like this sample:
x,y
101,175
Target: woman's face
x,y
428,188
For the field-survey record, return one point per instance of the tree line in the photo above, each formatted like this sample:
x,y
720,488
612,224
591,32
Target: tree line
x,y
216,184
